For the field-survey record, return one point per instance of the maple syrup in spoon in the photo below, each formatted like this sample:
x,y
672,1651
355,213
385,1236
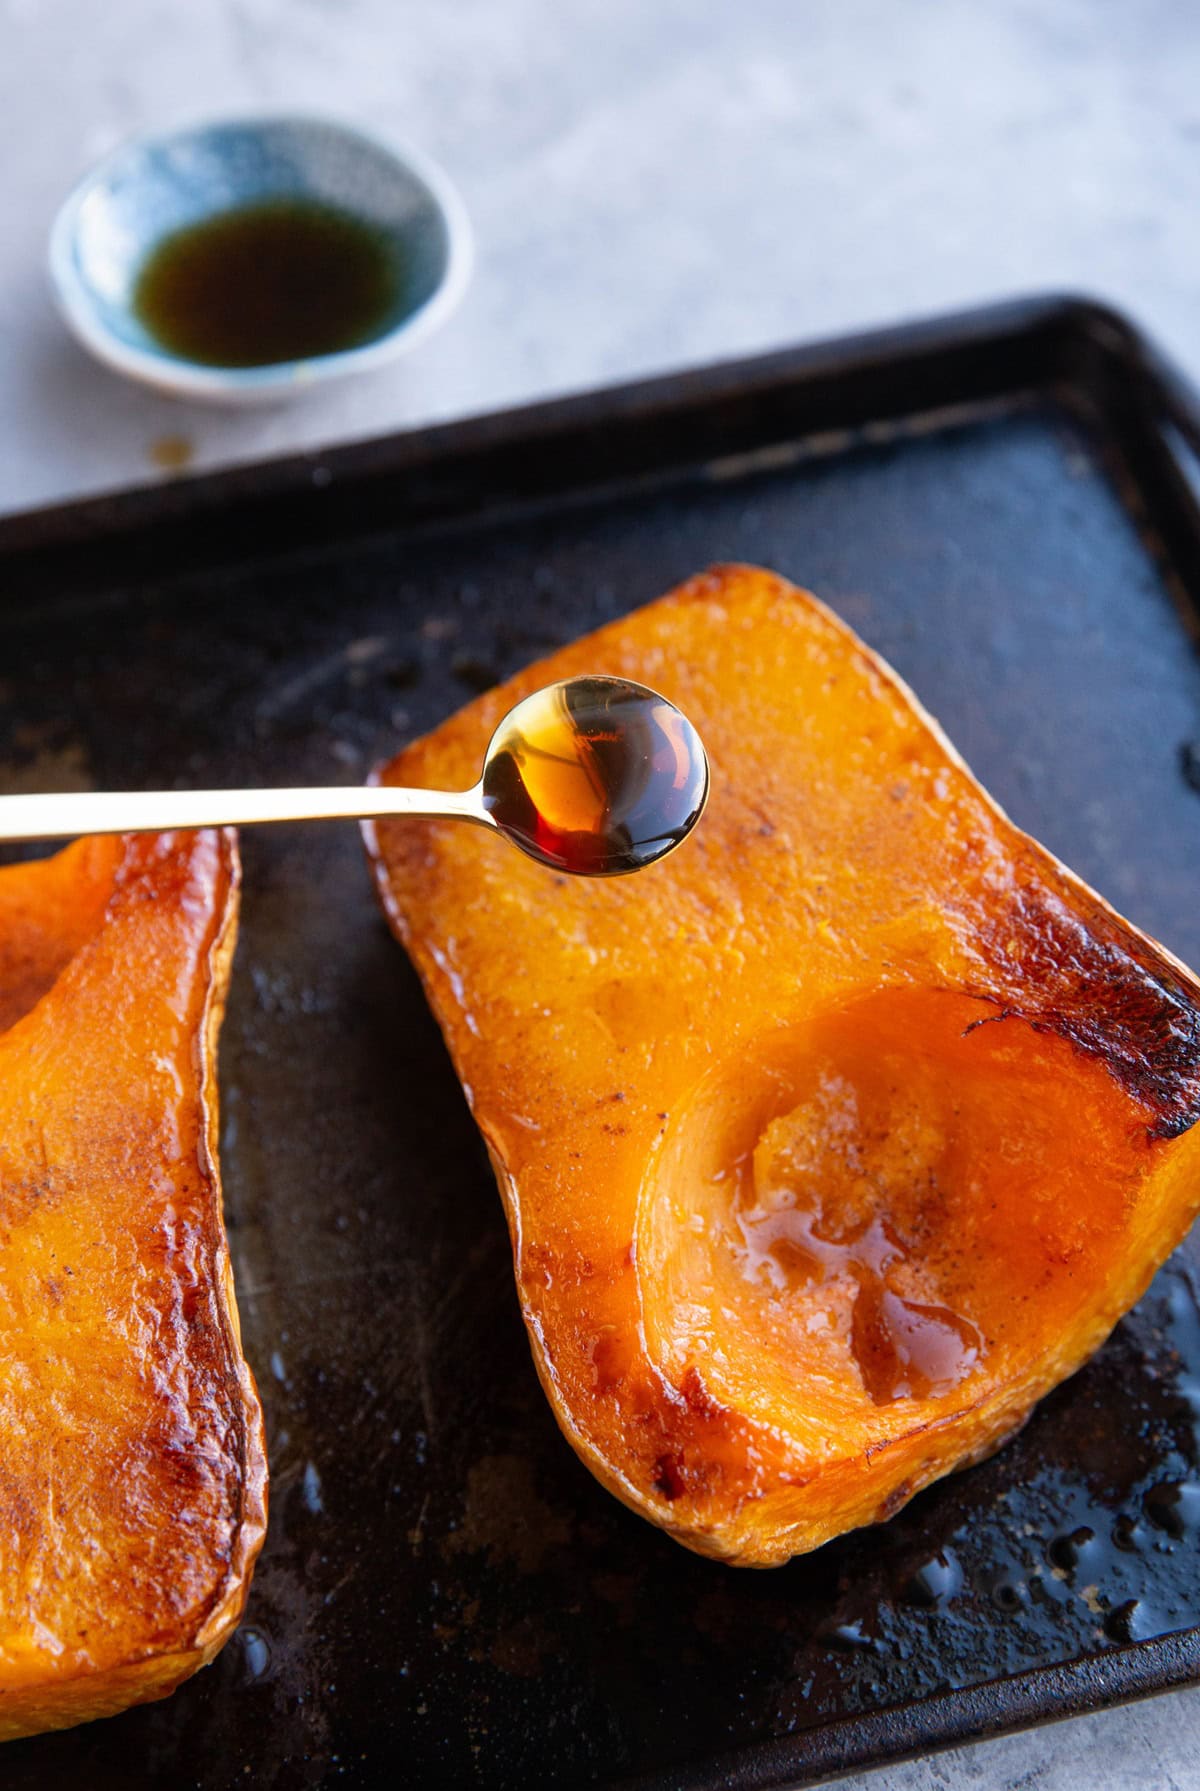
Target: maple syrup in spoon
x,y
597,776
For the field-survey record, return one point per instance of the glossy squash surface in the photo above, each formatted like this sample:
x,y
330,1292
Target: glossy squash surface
x,y
834,1141
132,1462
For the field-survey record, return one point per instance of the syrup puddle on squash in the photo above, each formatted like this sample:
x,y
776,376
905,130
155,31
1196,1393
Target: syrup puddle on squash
x,y
813,1218
849,1208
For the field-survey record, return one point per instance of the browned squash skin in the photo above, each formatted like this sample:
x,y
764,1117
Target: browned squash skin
x,y
831,1143
132,1459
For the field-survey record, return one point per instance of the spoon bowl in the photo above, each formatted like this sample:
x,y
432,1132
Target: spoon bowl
x,y
598,776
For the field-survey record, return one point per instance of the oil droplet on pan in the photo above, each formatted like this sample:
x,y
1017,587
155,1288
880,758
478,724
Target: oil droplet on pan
x,y
256,1654
1173,1506
935,1582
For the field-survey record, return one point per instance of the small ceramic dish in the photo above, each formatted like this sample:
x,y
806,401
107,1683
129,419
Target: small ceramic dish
x,y
155,185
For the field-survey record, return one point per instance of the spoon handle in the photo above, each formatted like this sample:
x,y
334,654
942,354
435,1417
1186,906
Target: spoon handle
x,y
57,817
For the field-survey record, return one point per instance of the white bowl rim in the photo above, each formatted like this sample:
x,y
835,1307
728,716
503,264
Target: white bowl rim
x,y
277,378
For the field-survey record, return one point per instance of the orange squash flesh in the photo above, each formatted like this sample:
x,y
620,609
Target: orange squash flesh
x,y
833,1142
132,1460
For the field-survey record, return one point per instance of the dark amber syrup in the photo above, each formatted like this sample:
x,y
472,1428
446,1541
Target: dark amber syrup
x,y
597,776
279,280
904,1348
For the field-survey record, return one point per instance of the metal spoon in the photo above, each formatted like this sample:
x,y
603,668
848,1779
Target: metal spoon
x,y
596,775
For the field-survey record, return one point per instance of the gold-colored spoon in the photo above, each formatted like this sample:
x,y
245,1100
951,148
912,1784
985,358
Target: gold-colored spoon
x,y
597,776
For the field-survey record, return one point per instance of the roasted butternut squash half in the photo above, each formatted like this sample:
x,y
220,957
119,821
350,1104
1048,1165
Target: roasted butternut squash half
x,y
831,1143
132,1463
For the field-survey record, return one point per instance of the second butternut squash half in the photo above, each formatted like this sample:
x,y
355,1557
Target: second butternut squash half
x,y
133,1473
831,1143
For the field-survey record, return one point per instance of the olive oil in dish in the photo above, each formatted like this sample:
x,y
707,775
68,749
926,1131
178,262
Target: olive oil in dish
x,y
276,280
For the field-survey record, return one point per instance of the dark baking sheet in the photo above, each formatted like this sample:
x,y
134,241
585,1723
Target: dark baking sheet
x,y
1000,503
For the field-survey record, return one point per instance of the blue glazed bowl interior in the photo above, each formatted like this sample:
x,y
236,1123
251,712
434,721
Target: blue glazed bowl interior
x,y
154,188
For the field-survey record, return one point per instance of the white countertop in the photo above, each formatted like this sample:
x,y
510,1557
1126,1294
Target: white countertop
x,y
653,183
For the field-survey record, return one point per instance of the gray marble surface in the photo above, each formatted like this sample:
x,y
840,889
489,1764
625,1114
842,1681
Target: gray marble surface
x,y
1147,1747
654,183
